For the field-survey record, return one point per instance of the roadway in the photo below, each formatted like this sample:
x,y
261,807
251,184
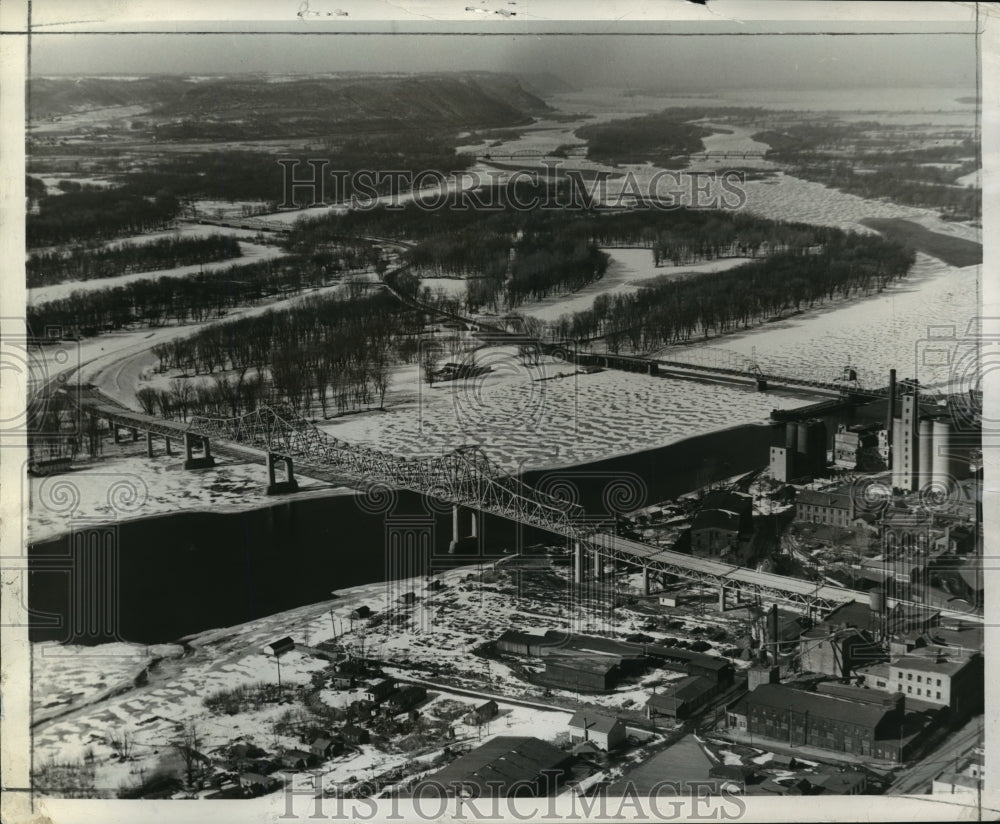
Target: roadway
x,y
917,778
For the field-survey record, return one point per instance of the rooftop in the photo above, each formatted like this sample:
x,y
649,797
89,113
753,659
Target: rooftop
x,y
683,689
781,697
839,500
945,660
590,720
959,780
504,761
716,519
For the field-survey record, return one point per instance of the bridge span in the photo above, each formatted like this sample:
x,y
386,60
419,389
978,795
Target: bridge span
x,y
462,477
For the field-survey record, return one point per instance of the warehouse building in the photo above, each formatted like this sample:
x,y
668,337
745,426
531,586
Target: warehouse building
x,y
834,508
567,669
682,698
714,667
828,722
500,768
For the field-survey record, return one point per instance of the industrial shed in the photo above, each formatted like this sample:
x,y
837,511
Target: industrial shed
x,y
499,769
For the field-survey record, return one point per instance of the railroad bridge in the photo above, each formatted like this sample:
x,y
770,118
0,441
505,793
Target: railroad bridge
x,y
463,477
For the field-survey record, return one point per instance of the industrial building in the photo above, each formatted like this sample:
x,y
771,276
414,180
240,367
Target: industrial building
x,y
940,675
857,447
682,698
526,644
922,447
605,732
799,718
834,508
845,640
568,669
723,527
714,667
804,453
499,769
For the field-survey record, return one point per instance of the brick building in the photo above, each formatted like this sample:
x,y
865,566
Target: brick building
x,y
828,722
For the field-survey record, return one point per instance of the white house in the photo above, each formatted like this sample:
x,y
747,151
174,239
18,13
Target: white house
x,y
602,730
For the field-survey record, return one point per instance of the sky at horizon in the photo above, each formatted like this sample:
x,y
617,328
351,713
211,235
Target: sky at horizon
x,y
640,61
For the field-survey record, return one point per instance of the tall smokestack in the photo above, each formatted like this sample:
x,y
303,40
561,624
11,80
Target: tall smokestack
x,y
891,415
774,634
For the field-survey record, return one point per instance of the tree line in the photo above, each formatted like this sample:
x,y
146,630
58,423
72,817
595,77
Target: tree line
x,y
817,152
92,214
156,302
333,352
716,303
44,268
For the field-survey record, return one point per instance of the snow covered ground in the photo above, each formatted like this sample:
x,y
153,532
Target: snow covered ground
x,y
139,487
443,628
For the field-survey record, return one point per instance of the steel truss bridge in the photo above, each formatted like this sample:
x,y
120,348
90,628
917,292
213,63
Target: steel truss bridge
x,y
467,477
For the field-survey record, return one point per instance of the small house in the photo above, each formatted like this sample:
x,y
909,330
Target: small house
x,y
408,598
406,698
257,784
282,645
435,586
379,690
297,759
324,747
353,734
361,612
483,713
604,731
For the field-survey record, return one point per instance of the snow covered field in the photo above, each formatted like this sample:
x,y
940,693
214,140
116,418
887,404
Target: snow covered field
x,y
442,630
140,487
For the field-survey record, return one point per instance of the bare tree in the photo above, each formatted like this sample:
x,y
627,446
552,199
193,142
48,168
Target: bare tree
x,y
187,747
122,742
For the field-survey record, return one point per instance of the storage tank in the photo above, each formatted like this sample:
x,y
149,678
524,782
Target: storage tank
x,y
876,600
816,445
925,452
802,438
941,461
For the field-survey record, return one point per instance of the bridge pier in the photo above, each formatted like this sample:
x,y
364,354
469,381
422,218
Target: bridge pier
x,y
724,602
191,462
598,564
577,563
114,431
274,486
645,580
456,533
135,434
149,444
166,439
